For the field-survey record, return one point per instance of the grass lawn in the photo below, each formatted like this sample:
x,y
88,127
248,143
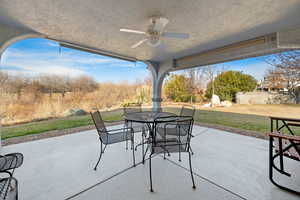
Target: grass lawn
x,y
55,124
242,121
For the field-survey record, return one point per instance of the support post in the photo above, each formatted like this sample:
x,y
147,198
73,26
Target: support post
x,y
8,36
158,71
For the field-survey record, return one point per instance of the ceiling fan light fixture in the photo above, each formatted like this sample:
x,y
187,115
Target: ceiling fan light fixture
x,y
154,32
154,43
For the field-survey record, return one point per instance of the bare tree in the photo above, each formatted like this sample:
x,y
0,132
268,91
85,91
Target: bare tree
x,y
55,84
287,66
274,80
83,84
16,85
3,78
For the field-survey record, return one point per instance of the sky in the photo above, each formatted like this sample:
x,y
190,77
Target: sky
x,y
31,57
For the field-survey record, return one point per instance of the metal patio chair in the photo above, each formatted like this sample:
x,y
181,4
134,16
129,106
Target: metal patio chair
x,y
108,137
137,127
283,146
172,143
187,111
8,183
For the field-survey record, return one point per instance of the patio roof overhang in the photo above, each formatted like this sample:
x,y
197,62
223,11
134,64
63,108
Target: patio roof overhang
x,y
219,31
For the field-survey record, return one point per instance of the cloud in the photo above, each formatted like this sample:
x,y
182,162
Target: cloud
x,y
30,70
34,63
68,57
44,57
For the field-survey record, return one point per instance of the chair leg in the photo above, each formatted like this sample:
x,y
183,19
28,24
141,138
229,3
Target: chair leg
x,y
191,150
133,154
179,156
125,126
150,173
191,170
17,196
143,147
101,152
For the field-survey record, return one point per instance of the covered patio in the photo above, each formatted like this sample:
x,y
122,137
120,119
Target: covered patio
x,y
235,167
216,31
232,168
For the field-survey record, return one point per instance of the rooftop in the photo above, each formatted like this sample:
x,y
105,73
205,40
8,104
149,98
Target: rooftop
x,y
234,167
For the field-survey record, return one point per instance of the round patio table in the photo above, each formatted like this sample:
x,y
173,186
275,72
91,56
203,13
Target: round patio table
x,y
148,118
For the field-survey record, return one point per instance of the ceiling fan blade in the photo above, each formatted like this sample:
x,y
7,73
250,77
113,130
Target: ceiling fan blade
x,y
138,43
160,24
132,31
176,35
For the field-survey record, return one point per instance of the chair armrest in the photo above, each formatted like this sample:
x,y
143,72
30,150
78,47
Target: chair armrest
x,y
119,129
112,121
284,136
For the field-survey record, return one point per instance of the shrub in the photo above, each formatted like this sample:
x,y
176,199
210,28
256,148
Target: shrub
x,y
178,89
227,84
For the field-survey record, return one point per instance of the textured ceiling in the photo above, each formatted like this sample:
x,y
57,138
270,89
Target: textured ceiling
x,y
96,23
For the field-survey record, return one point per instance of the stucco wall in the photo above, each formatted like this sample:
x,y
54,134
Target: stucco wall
x,y
262,98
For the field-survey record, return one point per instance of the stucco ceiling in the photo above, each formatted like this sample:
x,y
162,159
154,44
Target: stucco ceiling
x,y
96,23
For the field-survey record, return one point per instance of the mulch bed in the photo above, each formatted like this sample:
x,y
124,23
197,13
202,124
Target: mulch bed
x,y
56,133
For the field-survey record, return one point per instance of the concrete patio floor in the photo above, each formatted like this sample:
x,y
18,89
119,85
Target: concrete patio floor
x,y
226,166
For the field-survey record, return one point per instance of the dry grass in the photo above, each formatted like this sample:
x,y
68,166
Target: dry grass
x,y
278,110
282,110
31,107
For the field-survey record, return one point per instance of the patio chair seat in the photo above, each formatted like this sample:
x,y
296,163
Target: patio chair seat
x,y
171,130
169,146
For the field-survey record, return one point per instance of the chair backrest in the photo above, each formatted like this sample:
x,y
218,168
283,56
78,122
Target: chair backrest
x,y
132,108
182,125
10,161
99,123
187,111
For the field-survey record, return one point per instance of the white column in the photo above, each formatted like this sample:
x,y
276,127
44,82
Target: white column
x,y
158,71
10,35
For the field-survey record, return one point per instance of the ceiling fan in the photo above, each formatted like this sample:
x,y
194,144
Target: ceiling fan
x,y
154,32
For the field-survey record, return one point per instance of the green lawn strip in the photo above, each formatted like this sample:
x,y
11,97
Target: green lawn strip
x,y
242,121
55,124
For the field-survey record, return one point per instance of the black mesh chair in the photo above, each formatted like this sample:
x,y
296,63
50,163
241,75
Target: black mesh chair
x,y
169,142
8,183
108,137
187,111
137,127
